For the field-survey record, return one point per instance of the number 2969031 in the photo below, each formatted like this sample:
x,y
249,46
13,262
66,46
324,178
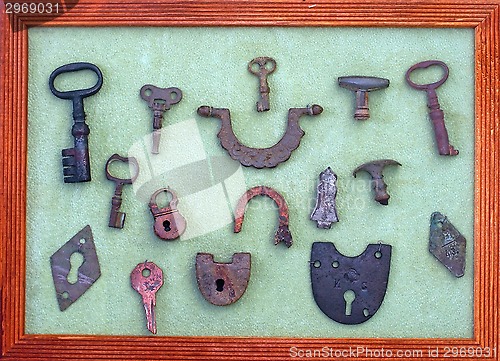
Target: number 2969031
x,y
32,8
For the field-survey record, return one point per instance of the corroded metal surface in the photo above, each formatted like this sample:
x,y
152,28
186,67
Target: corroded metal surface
x,y
435,112
362,85
222,283
260,157
169,224
76,160
375,169
159,101
283,233
264,66
147,278
89,271
325,211
117,218
447,244
333,275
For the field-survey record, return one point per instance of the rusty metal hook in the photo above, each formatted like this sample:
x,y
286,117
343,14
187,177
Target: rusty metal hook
x,y
283,233
260,157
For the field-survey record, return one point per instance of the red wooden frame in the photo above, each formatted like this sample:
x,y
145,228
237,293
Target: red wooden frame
x,y
482,15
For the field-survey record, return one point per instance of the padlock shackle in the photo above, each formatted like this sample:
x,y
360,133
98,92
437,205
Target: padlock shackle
x,y
172,204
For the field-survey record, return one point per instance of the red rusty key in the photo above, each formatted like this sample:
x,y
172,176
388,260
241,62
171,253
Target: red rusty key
x,y
435,112
147,278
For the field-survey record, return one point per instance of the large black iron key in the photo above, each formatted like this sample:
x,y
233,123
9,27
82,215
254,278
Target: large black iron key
x,y
76,160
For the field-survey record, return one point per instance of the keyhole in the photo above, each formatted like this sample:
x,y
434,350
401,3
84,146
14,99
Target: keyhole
x,y
349,297
166,225
76,260
220,285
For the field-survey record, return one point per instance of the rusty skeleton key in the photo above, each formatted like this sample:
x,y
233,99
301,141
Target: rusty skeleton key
x,y
259,67
436,114
76,160
116,218
147,278
159,100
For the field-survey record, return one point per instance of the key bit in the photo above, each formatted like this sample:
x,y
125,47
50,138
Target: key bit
x,y
362,85
262,67
447,244
116,218
147,278
67,293
375,169
76,160
159,100
435,112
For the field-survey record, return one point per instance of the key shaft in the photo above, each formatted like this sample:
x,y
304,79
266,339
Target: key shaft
x,y
116,218
263,103
437,117
149,302
76,160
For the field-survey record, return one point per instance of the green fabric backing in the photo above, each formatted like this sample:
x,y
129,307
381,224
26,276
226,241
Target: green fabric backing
x,y
210,66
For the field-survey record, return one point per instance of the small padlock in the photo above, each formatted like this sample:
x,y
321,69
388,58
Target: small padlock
x,y
169,223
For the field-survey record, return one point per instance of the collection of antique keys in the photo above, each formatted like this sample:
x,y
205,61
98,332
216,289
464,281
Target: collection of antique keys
x,y
349,290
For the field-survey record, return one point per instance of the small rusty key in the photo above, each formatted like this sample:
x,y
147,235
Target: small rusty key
x,y
262,67
159,100
116,218
76,160
147,278
169,224
435,112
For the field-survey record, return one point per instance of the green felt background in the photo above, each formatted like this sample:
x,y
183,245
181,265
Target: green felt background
x,y
209,64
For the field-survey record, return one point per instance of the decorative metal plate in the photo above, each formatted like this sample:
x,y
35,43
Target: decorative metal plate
x,y
333,275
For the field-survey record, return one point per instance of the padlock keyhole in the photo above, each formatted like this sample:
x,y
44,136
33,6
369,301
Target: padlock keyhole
x,y
220,285
349,297
166,225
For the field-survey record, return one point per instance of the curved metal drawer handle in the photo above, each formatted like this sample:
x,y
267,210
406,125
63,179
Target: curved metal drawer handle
x,y
260,157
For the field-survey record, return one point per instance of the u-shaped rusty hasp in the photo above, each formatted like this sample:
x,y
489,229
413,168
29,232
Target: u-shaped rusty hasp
x,y
260,157
283,233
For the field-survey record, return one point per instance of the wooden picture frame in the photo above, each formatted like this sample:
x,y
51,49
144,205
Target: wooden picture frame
x,y
482,15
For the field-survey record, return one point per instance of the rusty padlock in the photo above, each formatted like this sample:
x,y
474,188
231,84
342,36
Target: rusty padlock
x,y
169,223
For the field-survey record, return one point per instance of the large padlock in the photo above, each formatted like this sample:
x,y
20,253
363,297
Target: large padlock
x,y
169,224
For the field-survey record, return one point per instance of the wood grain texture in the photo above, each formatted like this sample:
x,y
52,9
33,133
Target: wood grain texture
x,y
482,15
